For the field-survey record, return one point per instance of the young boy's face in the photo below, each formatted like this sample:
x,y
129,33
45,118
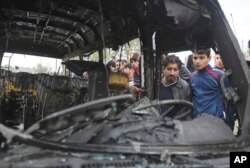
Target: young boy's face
x,y
126,70
201,60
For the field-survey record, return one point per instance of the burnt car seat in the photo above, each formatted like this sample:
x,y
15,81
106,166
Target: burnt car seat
x,y
58,94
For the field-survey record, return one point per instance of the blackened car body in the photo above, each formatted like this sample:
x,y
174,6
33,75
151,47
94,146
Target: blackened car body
x,y
114,131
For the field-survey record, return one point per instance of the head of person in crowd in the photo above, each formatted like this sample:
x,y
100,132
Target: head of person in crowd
x,y
218,62
129,70
184,72
111,66
201,58
190,63
135,58
171,69
120,65
125,61
163,56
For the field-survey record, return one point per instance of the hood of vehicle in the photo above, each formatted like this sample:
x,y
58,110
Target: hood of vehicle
x,y
51,159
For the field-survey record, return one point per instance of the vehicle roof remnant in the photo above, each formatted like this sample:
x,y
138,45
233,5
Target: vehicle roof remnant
x,y
65,28
69,28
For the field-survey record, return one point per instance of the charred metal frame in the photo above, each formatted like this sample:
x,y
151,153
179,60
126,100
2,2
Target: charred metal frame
x,y
75,28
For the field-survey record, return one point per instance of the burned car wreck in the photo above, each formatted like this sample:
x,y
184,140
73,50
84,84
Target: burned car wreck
x,y
115,131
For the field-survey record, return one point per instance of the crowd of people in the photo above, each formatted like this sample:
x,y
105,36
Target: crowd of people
x,y
197,82
132,69
202,87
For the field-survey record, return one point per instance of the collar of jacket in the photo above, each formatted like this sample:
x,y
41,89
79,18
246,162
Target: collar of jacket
x,y
205,68
167,85
179,83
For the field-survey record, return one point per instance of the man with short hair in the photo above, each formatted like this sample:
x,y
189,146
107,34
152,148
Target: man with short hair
x,y
172,86
205,83
184,72
229,108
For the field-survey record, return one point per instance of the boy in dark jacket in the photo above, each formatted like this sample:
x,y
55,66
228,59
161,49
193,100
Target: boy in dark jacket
x,y
205,84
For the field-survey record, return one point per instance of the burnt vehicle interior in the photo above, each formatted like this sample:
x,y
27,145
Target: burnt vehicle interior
x,y
105,130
